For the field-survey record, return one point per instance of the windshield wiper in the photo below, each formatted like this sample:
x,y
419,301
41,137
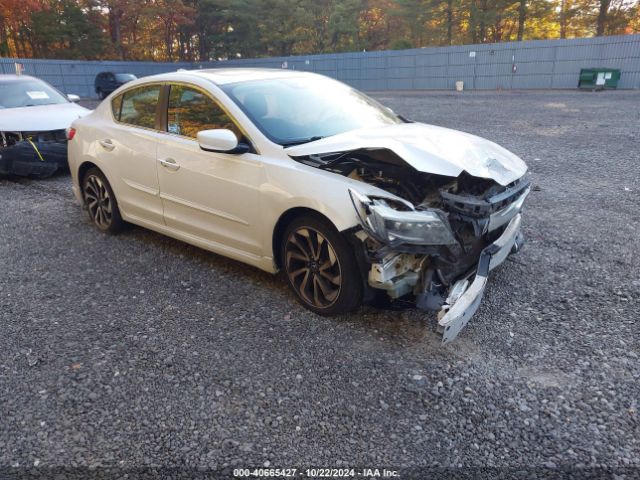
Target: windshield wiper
x,y
38,104
301,141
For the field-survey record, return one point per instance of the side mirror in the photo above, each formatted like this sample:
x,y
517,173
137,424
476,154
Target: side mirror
x,y
221,140
73,98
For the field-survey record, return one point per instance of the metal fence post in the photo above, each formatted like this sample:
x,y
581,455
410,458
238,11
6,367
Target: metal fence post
x,y
64,85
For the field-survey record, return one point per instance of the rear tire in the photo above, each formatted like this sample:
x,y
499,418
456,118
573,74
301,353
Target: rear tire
x,y
101,202
321,266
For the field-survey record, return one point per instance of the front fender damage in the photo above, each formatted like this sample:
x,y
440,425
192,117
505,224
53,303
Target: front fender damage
x,y
439,254
446,202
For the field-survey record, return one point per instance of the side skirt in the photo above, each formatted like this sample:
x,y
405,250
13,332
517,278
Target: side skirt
x,y
263,263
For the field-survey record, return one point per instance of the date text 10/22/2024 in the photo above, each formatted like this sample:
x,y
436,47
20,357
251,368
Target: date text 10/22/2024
x,y
315,473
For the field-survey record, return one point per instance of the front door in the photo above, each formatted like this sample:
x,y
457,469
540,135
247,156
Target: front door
x,y
212,196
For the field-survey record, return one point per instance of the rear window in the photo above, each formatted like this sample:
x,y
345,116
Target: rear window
x,y
137,106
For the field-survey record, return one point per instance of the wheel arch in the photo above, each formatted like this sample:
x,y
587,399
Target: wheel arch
x,y
83,169
285,219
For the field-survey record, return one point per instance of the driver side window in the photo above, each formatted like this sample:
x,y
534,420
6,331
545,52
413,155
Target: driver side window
x,y
190,111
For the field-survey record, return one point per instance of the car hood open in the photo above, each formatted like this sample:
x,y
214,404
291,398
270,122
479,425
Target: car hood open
x,y
427,148
40,118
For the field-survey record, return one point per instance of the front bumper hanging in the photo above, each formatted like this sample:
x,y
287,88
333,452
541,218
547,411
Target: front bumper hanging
x,y
38,154
465,297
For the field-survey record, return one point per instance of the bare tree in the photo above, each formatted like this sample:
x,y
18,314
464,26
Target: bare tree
x,y
602,17
563,19
522,17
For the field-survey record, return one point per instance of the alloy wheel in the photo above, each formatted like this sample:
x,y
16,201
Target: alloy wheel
x,y
98,201
313,267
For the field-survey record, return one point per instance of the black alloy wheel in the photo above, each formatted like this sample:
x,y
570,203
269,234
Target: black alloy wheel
x,y
101,202
313,267
320,267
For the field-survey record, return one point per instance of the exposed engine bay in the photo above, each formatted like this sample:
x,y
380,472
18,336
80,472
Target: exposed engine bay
x,y
38,154
431,235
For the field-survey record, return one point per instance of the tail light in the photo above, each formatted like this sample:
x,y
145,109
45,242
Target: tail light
x,y
71,132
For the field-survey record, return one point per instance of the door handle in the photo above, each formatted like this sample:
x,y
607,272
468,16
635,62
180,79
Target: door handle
x,y
169,163
107,144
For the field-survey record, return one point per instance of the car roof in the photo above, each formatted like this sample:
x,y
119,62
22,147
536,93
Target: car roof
x,y
222,76
6,78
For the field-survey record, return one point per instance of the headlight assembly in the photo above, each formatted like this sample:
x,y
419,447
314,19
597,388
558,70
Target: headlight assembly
x,y
405,225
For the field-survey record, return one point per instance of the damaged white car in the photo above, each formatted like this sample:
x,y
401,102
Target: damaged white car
x,y
34,118
297,172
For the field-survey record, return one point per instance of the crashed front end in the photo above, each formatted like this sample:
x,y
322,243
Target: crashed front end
x,y
38,154
444,212
442,250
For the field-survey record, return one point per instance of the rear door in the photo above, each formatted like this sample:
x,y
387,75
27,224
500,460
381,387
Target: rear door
x,y
127,148
213,196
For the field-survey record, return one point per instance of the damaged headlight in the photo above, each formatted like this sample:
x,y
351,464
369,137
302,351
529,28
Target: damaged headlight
x,y
393,226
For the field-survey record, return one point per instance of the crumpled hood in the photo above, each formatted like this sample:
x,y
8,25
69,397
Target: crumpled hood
x,y
40,118
427,148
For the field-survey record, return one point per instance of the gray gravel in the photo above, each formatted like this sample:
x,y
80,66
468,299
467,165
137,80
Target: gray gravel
x,y
138,350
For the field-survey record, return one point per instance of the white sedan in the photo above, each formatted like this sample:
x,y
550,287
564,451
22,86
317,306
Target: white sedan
x,y
294,171
34,118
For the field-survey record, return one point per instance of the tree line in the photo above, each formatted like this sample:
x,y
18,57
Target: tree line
x,y
204,30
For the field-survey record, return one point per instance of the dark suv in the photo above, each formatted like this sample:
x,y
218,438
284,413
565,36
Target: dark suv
x,y
107,82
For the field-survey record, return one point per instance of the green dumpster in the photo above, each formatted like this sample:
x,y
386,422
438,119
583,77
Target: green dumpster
x,y
598,78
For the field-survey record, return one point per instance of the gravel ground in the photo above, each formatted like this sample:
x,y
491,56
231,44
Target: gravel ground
x,y
140,351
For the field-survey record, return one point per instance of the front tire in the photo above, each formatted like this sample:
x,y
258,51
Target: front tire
x,y
321,267
101,202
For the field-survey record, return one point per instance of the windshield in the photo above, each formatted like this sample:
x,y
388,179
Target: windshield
x,y
125,77
290,111
29,92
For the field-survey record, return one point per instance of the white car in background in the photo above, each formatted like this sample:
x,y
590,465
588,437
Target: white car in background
x,y
34,118
295,171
